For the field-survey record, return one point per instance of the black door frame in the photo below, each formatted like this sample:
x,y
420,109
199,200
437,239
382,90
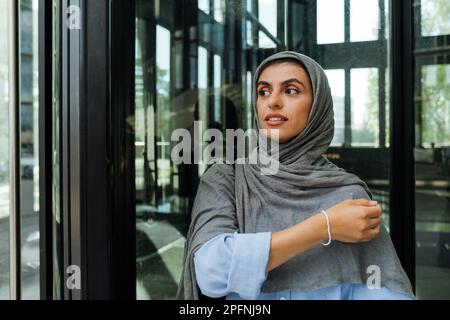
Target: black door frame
x,y
97,150
402,178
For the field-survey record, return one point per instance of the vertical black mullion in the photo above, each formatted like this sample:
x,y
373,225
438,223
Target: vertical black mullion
x,y
402,219
190,78
45,147
122,150
348,109
96,229
281,20
382,30
290,14
382,79
347,20
310,33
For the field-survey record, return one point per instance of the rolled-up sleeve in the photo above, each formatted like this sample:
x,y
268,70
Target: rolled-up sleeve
x,y
233,263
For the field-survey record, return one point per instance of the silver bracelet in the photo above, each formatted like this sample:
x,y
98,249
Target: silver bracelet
x,y
328,227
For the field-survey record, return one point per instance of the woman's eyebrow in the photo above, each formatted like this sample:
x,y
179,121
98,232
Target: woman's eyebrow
x,y
285,82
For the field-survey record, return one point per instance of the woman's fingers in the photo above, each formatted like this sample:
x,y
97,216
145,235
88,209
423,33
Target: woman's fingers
x,y
373,212
362,202
373,223
375,232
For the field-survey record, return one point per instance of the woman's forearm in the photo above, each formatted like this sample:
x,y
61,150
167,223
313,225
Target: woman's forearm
x,y
289,242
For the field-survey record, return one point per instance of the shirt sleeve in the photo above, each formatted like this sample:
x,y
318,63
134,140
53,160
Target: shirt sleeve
x,y
233,263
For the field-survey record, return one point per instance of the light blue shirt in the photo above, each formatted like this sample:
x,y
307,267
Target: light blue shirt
x,y
234,265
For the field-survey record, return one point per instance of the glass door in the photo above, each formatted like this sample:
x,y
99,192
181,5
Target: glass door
x,y
432,148
194,63
193,69
4,154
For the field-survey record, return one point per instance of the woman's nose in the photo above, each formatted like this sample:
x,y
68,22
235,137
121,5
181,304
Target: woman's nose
x,y
274,101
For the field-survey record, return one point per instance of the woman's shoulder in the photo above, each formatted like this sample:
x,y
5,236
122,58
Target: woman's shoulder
x,y
218,172
354,191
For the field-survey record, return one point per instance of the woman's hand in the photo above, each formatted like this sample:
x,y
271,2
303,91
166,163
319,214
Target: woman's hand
x,y
350,221
353,221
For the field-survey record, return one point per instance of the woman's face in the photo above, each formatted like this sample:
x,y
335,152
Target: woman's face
x,y
284,99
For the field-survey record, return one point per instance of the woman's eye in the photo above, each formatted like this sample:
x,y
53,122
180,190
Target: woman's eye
x,y
262,92
291,90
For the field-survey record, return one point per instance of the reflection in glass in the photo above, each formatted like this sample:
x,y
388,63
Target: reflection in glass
x,y
203,95
249,34
217,86
432,170
4,153
219,10
267,15
57,233
435,17
336,79
29,155
249,25
330,21
365,107
364,20
436,105
160,205
204,5
163,114
206,75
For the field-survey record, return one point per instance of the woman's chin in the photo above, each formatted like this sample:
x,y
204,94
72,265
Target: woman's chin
x,y
280,138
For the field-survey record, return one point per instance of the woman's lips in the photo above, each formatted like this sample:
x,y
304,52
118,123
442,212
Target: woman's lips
x,y
275,120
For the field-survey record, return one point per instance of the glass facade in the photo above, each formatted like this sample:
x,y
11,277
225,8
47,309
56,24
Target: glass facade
x,y
4,153
29,148
28,151
353,47
432,149
193,69
200,68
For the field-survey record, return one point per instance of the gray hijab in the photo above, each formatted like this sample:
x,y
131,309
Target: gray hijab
x,y
241,199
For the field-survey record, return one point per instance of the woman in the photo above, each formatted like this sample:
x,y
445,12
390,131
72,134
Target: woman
x,y
310,231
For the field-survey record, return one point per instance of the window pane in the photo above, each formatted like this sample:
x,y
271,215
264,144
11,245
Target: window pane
x,y
217,87
267,15
436,105
330,21
204,5
203,80
364,106
159,241
432,172
336,79
211,81
4,153
435,17
29,149
219,10
364,20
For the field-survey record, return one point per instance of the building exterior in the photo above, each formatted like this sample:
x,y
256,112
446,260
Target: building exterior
x,y
92,204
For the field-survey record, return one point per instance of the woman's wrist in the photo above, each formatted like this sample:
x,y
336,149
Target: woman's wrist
x,y
319,224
